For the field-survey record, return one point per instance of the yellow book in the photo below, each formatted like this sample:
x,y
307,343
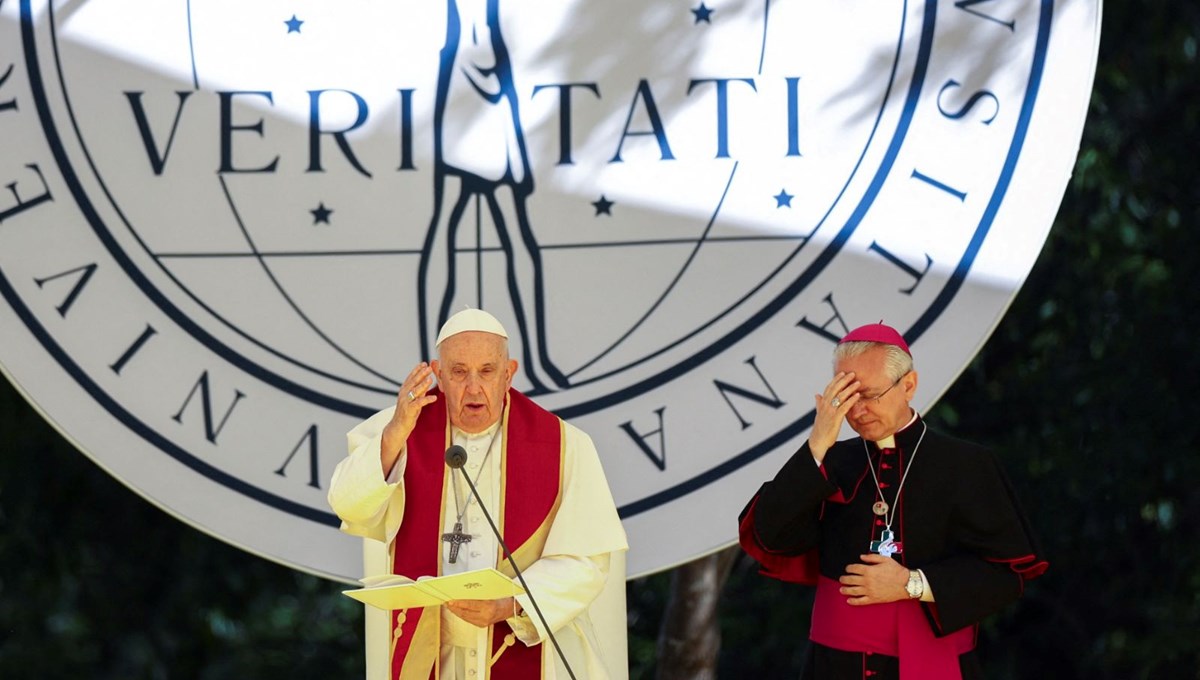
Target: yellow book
x,y
392,591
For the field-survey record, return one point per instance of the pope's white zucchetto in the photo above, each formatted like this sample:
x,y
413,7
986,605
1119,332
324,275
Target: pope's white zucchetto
x,y
470,320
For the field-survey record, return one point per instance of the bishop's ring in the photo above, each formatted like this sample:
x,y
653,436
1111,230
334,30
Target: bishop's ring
x,y
411,396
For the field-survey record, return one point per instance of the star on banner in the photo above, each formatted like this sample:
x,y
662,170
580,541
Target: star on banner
x,y
293,24
602,206
783,199
321,214
703,13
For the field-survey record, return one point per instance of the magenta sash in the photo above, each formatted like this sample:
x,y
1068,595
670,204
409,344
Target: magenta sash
x,y
897,629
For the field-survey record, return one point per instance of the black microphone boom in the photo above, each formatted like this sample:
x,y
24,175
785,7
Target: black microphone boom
x,y
456,458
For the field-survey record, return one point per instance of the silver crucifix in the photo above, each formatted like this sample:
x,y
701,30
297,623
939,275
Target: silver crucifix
x,y
456,538
886,545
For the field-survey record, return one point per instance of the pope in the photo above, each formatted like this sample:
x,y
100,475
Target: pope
x,y
540,479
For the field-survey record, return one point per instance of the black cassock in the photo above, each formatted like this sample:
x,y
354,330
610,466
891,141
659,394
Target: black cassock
x,y
956,519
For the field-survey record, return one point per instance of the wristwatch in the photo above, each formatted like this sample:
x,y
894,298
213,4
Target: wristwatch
x,y
915,585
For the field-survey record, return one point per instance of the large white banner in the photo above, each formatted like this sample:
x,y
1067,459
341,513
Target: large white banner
x,y
229,229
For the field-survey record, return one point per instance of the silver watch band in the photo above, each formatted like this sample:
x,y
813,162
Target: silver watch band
x,y
915,586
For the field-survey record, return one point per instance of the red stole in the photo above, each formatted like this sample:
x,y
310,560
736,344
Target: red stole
x,y
531,474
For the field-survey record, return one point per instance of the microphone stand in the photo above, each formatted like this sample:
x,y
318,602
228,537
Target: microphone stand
x,y
508,554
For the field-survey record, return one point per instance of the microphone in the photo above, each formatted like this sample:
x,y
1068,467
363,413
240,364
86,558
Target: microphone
x,y
456,458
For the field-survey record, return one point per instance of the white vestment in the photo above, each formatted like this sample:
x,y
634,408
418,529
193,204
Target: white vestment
x,y
579,588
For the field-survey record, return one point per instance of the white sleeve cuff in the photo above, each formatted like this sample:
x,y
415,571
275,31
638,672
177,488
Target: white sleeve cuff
x,y
926,592
522,626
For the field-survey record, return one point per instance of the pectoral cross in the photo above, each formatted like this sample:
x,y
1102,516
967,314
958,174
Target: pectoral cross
x,y
456,538
886,545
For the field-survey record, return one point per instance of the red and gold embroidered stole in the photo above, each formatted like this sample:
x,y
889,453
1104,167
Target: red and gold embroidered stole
x,y
531,490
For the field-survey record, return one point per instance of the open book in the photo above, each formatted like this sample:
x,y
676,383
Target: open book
x,y
392,591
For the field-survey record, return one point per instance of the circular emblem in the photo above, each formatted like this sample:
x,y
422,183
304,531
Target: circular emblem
x,y
228,231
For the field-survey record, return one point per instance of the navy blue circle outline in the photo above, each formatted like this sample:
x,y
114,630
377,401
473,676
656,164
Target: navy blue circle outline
x,y
37,88
612,398
918,328
949,291
73,369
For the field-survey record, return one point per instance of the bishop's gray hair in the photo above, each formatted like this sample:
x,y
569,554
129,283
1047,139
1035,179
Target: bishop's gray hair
x,y
896,361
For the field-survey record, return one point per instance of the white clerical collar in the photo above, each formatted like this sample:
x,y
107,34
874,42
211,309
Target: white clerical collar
x,y
457,434
889,442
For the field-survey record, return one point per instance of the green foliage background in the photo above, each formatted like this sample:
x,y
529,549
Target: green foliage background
x,y
1088,389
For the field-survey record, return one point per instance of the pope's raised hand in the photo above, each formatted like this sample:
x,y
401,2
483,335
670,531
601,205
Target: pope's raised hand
x,y
833,404
412,397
